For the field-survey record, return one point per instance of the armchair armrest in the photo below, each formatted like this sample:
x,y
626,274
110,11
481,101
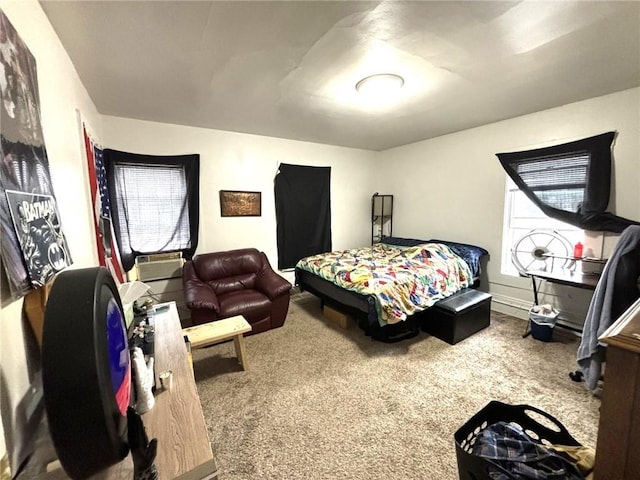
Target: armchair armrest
x,y
197,294
270,283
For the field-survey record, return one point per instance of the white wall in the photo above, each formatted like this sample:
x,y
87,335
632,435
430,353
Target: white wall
x,y
453,187
61,95
235,161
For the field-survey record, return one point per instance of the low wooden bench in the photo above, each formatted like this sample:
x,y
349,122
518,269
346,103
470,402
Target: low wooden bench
x,y
207,334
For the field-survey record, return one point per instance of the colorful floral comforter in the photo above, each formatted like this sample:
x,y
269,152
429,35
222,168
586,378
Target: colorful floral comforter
x,y
403,280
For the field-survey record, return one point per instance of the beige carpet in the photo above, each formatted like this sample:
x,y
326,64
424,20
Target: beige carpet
x,y
322,402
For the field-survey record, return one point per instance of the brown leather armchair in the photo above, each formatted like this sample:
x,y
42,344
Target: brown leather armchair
x,y
237,282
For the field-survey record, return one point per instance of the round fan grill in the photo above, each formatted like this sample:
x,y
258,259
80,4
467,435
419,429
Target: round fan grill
x,y
539,249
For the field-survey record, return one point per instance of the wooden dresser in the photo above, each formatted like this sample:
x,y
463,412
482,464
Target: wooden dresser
x,y
618,447
177,420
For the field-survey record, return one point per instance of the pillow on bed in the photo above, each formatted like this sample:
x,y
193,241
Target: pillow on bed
x,y
469,253
403,242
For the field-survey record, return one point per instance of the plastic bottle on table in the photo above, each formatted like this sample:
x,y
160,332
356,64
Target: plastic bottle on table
x,y
577,250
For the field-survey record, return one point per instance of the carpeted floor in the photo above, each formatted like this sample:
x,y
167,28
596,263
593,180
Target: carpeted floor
x,y
322,402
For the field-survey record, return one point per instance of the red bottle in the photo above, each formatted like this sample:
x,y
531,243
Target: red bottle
x,y
577,250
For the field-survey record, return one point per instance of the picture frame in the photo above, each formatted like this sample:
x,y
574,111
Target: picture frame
x,y
237,203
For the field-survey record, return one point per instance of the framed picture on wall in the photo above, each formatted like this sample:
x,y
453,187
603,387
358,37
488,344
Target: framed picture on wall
x,y
234,203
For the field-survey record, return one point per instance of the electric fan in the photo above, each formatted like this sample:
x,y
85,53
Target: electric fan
x,y
541,249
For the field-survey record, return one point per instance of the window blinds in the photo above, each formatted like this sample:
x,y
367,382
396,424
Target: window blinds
x,y
559,181
153,201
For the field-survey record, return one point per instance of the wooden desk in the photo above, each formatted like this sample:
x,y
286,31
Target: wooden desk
x,y
618,447
563,277
176,420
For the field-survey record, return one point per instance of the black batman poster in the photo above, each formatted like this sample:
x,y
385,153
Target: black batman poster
x,y
37,225
24,170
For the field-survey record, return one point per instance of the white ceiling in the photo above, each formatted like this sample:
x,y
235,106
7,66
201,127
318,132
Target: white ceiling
x,y
289,69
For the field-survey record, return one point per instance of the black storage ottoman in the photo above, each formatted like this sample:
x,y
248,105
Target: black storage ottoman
x,y
459,316
474,467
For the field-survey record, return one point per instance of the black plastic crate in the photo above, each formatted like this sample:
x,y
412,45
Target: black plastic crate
x,y
473,467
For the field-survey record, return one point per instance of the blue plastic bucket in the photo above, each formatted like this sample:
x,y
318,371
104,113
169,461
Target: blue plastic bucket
x,y
541,332
542,324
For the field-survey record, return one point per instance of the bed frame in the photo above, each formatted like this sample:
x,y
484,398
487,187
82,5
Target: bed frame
x,y
361,307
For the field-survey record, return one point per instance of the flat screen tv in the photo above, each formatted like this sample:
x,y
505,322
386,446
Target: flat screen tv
x,y
86,371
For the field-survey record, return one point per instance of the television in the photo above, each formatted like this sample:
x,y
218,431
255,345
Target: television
x,y
86,371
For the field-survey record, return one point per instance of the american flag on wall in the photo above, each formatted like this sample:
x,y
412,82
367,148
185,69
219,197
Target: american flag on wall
x,y
105,238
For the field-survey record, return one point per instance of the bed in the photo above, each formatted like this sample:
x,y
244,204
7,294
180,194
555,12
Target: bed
x,y
388,285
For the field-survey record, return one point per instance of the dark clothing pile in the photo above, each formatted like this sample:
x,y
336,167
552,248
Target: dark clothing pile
x,y
508,446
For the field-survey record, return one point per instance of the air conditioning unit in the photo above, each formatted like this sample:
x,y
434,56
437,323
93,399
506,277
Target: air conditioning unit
x,y
159,266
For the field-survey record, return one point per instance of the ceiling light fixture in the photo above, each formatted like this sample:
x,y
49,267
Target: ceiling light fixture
x,y
380,84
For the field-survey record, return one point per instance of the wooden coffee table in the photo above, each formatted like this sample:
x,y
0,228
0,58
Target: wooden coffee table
x,y
207,334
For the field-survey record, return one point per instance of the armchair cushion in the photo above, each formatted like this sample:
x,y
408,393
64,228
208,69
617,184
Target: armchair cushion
x,y
251,304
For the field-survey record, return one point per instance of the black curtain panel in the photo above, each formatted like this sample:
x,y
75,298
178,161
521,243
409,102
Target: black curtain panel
x,y
154,202
569,182
303,212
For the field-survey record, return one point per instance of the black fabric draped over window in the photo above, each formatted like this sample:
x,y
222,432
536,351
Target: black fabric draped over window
x,y
154,202
569,182
303,212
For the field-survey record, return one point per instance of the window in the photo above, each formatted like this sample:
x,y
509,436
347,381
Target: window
x,y
152,200
154,204
570,182
554,194
529,234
